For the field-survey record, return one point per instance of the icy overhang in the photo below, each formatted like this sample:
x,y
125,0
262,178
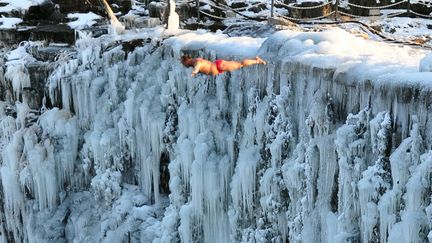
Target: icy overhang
x,y
353,72
358,58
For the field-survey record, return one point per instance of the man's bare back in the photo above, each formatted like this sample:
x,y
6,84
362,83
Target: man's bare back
x,y
207,67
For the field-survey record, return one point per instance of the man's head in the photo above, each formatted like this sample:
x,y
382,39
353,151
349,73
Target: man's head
x,y
187,61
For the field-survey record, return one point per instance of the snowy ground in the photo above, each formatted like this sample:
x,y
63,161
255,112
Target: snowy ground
x,y
21,5
82,20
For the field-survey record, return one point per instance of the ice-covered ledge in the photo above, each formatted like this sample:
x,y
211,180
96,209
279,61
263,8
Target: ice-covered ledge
x,y
353,72
403,98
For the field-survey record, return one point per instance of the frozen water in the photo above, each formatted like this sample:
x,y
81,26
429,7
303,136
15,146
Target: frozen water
x,y
300,150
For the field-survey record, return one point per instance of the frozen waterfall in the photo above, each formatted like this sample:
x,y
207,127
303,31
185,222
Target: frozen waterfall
x,y
131,148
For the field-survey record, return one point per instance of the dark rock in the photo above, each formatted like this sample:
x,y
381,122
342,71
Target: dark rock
x,y
48,53
38,72
218,11
14,36
186,11
238,5
257,8
129,46
40,12
157,9
71,6
57,15
366,12
421,8
164,176
97,31
32,98
122,6
214,26
309,13
53,33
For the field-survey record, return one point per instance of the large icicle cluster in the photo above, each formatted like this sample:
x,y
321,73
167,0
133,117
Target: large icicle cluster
x,y
139,151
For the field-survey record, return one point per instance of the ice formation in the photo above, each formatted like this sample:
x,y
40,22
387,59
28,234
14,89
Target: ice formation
x,y
134,149
173,18
426,64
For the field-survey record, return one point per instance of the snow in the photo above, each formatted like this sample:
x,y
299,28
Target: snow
x,y
83,20
218,43
406,27
360,59
16,72
21,5
9,22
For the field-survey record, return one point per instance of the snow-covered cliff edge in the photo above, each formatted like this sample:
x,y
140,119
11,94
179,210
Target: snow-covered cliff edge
x,y
313,147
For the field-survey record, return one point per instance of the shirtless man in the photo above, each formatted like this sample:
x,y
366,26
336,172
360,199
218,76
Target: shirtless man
x,y
217,67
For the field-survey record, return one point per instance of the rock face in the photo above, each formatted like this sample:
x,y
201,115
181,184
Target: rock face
x,y
307,10
71,6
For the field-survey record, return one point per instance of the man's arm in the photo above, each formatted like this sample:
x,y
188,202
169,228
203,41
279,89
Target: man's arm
x,y
196,69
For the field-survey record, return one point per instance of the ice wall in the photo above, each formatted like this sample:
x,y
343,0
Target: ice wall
x,y
139,151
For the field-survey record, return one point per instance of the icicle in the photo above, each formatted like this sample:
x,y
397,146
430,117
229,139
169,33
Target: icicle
x,y
150,137
16,72
14,202
351,148
22,112
414,221
376,179
186,223
243,180
44,178
13,196
388,206
173,18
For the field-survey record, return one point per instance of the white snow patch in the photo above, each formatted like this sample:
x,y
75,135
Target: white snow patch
x,y
20,5
9,22
83,20
217,42
16,72
360,59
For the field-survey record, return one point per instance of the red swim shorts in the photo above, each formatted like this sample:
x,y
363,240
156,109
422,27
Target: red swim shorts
x,y
218,63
